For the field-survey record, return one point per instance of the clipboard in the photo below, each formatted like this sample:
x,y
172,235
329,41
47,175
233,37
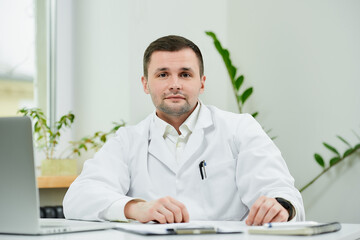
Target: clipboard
x,y
201,230
173,229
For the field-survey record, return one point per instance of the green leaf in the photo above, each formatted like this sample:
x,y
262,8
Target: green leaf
x,y
348,152
36,127
233,71
246,95
226,54
334,160
116,128
219,47
357,146
238,82
211,34
23,110
83,146
319,159
344,141
331,148
103,138
255,114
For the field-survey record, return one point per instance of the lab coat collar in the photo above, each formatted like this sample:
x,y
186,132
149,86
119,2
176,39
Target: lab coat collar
x,y
204,119
159,149
186,128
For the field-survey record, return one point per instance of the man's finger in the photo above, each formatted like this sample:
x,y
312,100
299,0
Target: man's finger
x,y
262,212
282,216
175,210
158,217
168,214
253,210
184,214
272,213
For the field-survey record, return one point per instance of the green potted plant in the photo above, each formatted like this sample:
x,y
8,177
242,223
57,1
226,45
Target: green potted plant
x,y
94,142
47,139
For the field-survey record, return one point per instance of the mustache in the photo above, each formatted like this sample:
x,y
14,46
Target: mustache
x,y
177,94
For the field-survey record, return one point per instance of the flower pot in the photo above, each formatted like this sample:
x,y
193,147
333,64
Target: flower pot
x,y
59,167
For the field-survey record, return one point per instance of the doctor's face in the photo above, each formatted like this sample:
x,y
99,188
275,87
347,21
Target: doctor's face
x,y
174,82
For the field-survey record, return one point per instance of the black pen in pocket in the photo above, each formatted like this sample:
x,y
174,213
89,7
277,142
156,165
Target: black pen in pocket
x,y
202,166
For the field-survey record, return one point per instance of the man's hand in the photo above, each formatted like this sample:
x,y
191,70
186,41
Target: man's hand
x,y
266,210
163,210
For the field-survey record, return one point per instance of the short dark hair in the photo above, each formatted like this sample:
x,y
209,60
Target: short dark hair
x,y
171,43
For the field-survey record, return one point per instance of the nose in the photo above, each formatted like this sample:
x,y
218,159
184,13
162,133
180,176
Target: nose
x,y
175,84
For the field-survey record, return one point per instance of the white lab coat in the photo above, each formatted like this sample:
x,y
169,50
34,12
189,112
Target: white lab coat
x,y
242,165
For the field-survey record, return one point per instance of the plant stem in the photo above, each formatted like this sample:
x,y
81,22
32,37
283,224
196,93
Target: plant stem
x,y
324,171
312,181
43,128
237,101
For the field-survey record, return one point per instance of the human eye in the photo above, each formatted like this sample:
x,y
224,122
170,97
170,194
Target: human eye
x,y
185,75
162,75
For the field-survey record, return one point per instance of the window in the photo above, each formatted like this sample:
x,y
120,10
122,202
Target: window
x,y
17,56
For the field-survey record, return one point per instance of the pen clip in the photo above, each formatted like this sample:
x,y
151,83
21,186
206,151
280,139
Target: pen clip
x,y
204,165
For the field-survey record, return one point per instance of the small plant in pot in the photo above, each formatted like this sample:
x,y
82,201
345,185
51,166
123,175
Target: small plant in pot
x,y
47,140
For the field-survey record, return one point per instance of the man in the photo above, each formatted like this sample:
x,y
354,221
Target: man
x,y
186,160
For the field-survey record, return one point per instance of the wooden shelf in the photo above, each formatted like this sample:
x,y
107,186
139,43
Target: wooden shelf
x,y
55,181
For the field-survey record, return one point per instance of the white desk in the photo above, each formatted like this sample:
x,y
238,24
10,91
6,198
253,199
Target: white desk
x,y
348,232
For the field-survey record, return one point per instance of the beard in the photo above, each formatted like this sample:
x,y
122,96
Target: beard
x,y
175,111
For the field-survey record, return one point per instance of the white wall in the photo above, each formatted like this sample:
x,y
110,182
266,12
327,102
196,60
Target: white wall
x,y
150,20
302,57
101,67
109,41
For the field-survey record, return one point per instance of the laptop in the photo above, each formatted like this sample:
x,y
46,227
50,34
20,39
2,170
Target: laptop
x,y
19,196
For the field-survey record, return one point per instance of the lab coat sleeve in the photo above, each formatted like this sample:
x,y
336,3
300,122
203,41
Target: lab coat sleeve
x,y
261,170
104,181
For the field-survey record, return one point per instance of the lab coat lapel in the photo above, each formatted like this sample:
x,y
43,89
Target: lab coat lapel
x,y
197,139
194,144
159,149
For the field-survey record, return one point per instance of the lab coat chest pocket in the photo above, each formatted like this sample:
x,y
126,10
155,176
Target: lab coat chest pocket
x,y
219,187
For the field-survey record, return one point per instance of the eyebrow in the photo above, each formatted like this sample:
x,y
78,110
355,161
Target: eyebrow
x,y
182,69
161,69
187,69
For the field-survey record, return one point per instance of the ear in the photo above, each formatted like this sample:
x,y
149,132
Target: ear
x,y
202,82
144,82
